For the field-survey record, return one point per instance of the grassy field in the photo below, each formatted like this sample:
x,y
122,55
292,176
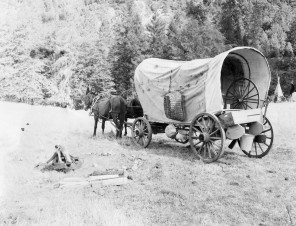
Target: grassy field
x,y
169,185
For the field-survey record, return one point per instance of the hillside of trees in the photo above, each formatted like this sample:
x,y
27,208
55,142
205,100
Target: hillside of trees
x,y
51,50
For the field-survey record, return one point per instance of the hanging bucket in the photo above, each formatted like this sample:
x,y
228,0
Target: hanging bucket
x,y
171,131
246,142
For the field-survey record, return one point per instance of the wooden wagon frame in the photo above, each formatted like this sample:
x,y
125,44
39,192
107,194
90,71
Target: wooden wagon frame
x,y
204,102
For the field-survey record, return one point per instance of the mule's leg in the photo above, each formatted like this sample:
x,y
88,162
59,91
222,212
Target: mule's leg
x,y
125,126
103,125
122,118
115,120
96,124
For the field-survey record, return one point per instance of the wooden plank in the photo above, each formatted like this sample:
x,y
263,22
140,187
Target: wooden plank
x,y
247,116
103,177
114,181
102,180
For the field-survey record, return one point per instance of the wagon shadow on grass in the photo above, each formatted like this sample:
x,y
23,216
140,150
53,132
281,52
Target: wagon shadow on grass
x,y
160,146
163,146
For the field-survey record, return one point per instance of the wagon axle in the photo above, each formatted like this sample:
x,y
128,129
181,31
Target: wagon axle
x,y
139,133
204,137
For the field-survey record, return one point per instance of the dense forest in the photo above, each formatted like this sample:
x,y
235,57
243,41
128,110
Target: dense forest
x,y
51,50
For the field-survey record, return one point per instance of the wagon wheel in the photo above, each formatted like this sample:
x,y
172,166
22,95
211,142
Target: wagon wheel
x,y
242,94
262,143
207,137
141,132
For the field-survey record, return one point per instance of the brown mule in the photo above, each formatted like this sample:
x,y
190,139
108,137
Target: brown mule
x,y
112,108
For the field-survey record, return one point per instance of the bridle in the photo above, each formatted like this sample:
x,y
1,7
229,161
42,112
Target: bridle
x,y
94,101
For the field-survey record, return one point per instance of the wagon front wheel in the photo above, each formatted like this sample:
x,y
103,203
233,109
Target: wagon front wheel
x,y
262,143
141,132
207,137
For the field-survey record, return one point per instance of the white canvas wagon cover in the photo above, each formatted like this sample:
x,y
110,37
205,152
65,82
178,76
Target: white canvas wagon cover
x,y
202,82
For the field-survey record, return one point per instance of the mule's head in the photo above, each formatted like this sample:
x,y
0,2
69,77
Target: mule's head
x,y
87,101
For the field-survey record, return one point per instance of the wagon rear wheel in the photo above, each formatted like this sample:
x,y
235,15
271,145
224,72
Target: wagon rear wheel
x,y
207,137
242,94
141,132
262,143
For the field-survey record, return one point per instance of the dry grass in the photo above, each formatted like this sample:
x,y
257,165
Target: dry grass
x,y
169,186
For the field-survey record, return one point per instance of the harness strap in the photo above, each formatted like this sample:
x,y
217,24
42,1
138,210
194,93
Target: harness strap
x,y
95,100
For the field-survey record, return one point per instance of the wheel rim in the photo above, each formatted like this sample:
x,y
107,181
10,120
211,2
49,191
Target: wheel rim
x,y
263,142
207,137
141,132
242,94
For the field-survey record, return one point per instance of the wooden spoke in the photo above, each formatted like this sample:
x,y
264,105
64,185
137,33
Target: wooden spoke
x,y
214,132
209,150
265,144
197,143
250,97
210,126
264,131
215,138
200,126
203,121
200,148
260,147
138,139
196,130
250,90
230,98
248,106
247,88
236,105
232,94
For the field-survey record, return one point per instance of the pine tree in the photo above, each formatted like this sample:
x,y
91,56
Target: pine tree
x,y
190,40
197,11
129,50
231,23
292,35
158,42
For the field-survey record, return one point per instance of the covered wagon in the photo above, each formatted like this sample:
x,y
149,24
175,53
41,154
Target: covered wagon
x,y
205,101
